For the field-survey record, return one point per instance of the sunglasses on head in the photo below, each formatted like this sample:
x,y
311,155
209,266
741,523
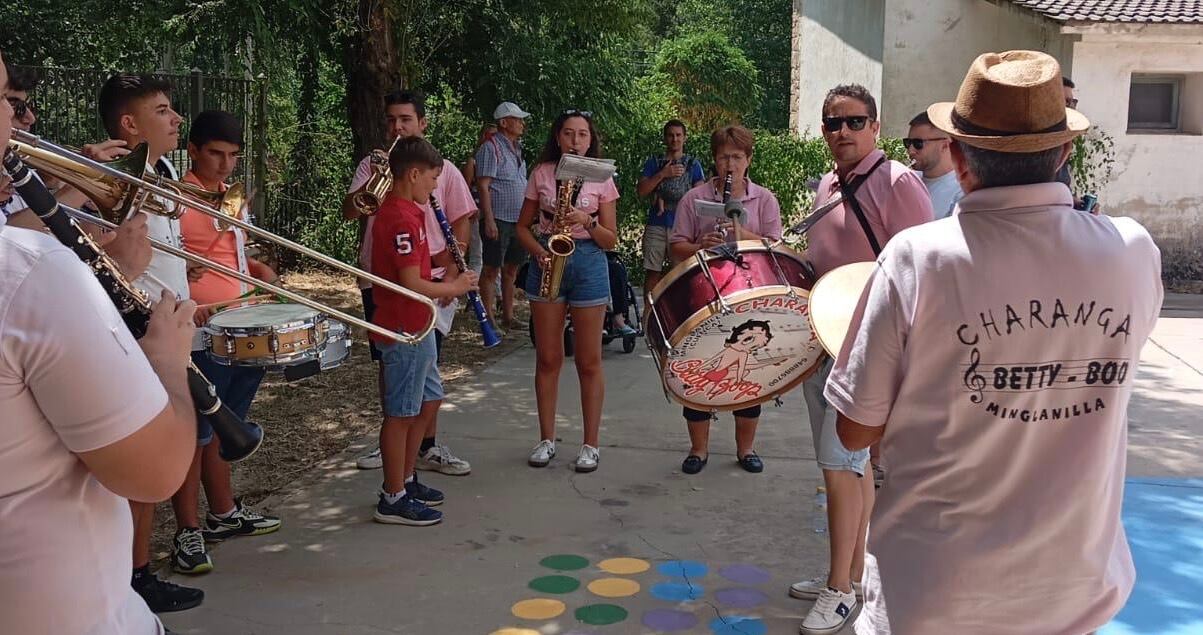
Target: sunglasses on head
x,y
857,122
580,113
20,107
917,143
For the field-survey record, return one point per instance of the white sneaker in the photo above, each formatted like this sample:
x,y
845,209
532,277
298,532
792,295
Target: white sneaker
x,y
542,454
810,589
586,461
829,614
370,461
440,459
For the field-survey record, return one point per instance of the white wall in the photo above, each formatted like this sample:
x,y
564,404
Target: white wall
x,y
1158,177
835,42
929,45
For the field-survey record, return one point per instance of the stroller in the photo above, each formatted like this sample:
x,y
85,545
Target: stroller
x,y
609,332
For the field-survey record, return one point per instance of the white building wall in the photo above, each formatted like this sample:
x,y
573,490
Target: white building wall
x,y
836,42
1158,177
929,45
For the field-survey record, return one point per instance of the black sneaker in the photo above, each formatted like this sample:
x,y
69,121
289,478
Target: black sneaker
x,y
188,552
406,511
165,597
243,522
428,496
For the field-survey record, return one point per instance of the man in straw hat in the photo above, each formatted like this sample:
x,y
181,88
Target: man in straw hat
x,y
993,353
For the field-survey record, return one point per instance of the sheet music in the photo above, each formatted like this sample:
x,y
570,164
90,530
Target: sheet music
x,y
714,209
591,170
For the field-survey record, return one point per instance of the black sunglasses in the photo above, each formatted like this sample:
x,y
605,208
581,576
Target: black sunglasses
x,y
918,142
582,113
833,124
20,107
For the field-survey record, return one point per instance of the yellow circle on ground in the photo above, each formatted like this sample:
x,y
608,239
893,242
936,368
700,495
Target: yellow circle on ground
x,y
624,566
536,609
516,631
614,587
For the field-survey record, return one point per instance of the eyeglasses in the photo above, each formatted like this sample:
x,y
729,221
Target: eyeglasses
x,y
582,113
20,107
917,143
1071,103
833,124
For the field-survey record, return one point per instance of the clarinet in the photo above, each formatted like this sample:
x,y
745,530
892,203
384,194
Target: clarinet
x,y
490,336
238,439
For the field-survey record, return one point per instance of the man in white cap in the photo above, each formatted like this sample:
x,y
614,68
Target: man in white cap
x,y
994,353
501,183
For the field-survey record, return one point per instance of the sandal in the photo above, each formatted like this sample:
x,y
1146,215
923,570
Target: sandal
x,y
693,464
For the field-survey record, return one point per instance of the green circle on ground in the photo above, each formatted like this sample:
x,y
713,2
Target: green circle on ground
x,y
564,562
600,614
555,584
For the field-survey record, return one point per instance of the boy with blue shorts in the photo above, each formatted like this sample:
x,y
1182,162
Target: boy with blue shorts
x,y
412,388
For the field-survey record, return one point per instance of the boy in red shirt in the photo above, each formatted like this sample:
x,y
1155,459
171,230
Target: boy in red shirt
x,y
412,385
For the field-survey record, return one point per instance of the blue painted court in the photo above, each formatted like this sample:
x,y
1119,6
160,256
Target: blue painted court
x,y
1164,521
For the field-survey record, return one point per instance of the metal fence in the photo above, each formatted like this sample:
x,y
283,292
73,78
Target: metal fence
x,y
66,107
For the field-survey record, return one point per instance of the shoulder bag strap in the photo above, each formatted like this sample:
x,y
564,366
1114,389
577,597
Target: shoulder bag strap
x,y
848,191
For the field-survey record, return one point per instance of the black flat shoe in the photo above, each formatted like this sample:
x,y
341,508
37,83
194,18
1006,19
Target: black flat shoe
x,y
751,463
693,464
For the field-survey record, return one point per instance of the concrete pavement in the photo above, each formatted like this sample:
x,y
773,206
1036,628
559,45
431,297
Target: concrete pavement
x,y
745,537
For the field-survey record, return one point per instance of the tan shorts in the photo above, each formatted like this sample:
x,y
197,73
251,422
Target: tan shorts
x,y
655,247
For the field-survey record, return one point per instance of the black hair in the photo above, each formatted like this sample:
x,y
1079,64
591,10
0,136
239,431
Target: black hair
x,y
415,97
120,92
674,123
215,125
1067,82
854,91
921,119
411,152
1001,169
551,149
23,79
747,326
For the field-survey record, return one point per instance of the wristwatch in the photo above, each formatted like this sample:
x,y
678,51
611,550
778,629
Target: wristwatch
x,y
592,223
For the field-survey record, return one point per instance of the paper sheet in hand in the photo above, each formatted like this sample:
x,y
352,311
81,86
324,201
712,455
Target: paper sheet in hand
x,y
591,170
715,209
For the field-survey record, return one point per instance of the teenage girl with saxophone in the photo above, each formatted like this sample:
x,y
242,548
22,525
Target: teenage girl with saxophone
x,y
587,218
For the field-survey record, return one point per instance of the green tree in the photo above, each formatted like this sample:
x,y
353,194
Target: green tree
x,y
710,81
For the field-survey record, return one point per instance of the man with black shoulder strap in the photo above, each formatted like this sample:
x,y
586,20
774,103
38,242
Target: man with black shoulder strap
x,y
880,198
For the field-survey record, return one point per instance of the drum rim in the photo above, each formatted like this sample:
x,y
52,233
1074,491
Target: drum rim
x,y
834,351
684,266
251,308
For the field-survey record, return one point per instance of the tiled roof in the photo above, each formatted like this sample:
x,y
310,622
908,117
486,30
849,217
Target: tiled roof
x,y
1139,11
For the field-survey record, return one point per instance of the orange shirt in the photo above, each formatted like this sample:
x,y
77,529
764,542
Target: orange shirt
x,y
201,236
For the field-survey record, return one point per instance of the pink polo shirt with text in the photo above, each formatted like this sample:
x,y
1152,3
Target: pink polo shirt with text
x,y
999,348
763,212
543,187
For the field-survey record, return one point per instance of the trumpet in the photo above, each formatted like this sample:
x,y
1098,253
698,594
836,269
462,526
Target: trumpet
x,y
370,195
88,175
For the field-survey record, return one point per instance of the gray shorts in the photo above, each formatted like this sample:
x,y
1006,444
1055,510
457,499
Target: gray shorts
x,y
505,249
829,451
655,247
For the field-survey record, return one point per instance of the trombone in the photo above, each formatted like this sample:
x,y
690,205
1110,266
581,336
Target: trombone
x,y
88,176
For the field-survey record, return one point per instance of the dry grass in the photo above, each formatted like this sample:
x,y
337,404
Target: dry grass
x,y
308,421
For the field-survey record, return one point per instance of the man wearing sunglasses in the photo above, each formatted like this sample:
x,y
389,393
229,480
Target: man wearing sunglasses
x,y
14,209
930,155
881,198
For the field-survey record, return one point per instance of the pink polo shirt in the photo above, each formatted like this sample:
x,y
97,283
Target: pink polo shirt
x,y
893,198
763,212
999,348
542,187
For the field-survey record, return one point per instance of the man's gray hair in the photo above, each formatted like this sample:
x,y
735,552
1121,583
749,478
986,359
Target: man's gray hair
x,y
1000,169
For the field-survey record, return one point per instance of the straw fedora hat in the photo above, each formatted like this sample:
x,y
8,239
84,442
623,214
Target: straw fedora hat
x,y
1010,102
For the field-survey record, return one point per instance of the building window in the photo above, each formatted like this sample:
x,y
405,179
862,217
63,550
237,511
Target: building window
x,y
1154,102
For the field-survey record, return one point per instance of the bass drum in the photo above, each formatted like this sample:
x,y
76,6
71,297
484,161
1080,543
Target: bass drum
x,y
729,328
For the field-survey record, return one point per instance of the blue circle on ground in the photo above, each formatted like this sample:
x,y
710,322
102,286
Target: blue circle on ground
x,y
677,591
737,625
683,568
745,574
669,620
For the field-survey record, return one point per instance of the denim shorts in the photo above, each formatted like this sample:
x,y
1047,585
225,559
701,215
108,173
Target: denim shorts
x,y
236,387
586,279
411,376
830,452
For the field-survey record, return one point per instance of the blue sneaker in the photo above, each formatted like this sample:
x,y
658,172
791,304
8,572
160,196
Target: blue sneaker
x,y
406,511
429,496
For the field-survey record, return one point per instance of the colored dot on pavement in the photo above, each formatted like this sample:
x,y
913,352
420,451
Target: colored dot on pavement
x,y
537,609
555,584
676,592
600,614
745,574
736,625
515,631
741,597
624,566
564,562
669,620
614,587
685,568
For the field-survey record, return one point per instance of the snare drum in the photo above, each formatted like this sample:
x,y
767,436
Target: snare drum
x,y
338,345
272,336
729,328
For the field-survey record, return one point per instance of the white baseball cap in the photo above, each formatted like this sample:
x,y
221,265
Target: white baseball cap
x,y
509,109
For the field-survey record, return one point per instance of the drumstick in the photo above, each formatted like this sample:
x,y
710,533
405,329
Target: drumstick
x,y
249,298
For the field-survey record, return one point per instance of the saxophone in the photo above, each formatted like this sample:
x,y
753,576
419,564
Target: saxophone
x,y
370,195
560,242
